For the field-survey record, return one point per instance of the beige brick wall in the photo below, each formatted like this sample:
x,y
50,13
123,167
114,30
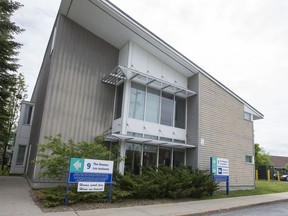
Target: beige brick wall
x,y
225,132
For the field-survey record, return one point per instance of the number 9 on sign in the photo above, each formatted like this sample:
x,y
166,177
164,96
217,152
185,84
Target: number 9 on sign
x,y
88,165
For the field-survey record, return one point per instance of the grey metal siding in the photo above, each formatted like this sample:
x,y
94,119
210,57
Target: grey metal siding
x,y
225,132
38,98
193,122
77,104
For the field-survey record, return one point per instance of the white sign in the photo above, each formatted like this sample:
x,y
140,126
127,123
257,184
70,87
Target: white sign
x,y
98,166
220,166
221,162
90,186
223,171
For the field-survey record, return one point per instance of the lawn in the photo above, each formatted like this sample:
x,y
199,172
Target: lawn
x,y
262,187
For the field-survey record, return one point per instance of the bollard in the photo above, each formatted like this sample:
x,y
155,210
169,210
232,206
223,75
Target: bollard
x,y
268,175
278,175
256,175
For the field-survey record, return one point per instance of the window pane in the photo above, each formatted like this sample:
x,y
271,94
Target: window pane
x,y
178,158
153,105
21,155
27,114
119,99
167,107
137,101
164,157
248,159
150,155
133,158
180,112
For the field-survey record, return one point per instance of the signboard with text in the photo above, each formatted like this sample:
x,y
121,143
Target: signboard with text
x,y
90,186
219,168
89,170
91,175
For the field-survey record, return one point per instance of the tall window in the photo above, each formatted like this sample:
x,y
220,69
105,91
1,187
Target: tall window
x,y
167,109
21,155
180,112
164,157
150,155
137,101
119,100
178,158
145,103
147,155
28,114
133,158
152,105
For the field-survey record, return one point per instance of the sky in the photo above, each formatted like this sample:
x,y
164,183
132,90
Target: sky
x,y
242,43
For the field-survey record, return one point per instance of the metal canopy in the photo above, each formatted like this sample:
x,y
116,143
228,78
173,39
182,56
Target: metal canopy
x,y
120,73
117,137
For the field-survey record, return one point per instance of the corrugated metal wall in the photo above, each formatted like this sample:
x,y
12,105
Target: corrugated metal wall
x,y
77,104
225,132
38,98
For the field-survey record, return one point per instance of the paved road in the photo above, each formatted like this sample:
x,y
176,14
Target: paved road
x,y
276,209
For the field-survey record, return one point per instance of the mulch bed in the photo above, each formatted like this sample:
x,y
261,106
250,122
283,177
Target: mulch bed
x,y
89,206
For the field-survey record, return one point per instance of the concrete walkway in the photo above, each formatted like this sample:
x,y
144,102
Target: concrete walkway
x,y
15,200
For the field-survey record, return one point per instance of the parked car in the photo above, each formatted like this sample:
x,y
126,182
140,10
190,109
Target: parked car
x,y
284,178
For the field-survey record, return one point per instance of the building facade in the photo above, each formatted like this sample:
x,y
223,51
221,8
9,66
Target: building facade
x,y
105,74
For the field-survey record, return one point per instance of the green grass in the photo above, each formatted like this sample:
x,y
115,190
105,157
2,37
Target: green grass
x,y
262,187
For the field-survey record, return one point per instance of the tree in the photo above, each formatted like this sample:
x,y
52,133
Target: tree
x,y
8,66
286,166
262,157
18,94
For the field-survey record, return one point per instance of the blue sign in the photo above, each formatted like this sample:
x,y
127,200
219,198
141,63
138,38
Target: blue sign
x,y
89,177
89,170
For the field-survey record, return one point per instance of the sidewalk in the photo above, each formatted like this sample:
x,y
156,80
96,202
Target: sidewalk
x,y
15,200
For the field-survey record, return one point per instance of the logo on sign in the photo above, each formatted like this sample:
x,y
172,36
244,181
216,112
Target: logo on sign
x,y
219,171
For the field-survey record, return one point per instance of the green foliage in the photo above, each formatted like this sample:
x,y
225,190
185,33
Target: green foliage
x,y
181,182
54,156
5,171
8,69
262,158
286,166
51,197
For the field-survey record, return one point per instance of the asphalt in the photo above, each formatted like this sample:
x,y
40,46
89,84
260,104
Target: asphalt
x,y
15,200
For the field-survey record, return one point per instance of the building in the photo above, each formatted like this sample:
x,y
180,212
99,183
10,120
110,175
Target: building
x,y
103,73
279,162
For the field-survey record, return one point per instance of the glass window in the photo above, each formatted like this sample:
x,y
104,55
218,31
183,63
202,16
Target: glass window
x,y
249,159
150,155
21,155
118,102
164,157
167,108
27,114
137,101
153,105
178,158
133,158
180,112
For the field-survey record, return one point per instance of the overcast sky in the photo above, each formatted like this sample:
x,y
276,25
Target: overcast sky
x,y
242,43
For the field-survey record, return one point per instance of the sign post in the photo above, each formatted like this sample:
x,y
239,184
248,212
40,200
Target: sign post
x,y
91,175
219,167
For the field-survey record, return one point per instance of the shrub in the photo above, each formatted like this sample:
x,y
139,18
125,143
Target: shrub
x,y
181,182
